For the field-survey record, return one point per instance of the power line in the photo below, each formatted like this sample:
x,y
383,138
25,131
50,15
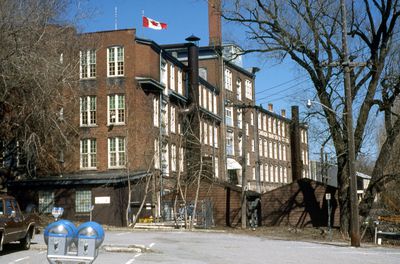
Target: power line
x,y
288,88
281,84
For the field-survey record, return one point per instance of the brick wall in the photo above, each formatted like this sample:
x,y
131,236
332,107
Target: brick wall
x,y
299,204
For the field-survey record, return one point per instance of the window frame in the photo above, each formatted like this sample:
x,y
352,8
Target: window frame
x,y
91,156
117,152
119,111
86,112
118,67
228,80
45,204
83,201
87,70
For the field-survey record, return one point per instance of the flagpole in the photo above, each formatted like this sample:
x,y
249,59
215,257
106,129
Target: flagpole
x,y
141,22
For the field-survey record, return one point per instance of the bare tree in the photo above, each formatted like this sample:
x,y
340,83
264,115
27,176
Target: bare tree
x,y
308,33
38,75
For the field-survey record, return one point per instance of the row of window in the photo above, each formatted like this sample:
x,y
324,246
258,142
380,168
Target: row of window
x,y
208,133
208,99
229,86
83,201
169,121
115,62
168,70
115,110
272,173
275,126
272,150
116,153
115,68
171,157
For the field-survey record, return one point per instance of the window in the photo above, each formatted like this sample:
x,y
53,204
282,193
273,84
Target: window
x,y
270,150
115,61
173,157
252,145
265,122
249,89
210,135
284,153
156,111
215,110
116,109
173,119
239,89
279,127
205,127
239,118
260,127
163,73
260,147
88,107
247,129
180,159
215,137
116,152
254,173
46,201
205,98
180,81
88,154
285,178
252,119
210,102
265,142
228,79
83,201
240,145
279,150
156,154
229,143
275,151
165,118
266,177
172,77
248,159
269,124
229,116
88,64
261,173
165,159
203,73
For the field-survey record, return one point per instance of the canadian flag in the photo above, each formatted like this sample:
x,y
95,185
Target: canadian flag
x,y
151,23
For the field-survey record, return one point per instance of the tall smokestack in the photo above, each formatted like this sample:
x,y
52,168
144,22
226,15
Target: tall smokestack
x,y
193,65
214,22
297,165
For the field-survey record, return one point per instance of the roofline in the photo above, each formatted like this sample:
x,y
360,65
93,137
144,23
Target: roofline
x,y
108,31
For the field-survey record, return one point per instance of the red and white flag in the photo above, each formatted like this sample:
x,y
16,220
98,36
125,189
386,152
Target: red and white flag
x,y
151,23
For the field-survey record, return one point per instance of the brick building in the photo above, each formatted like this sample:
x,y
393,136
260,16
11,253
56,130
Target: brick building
x,y
168,112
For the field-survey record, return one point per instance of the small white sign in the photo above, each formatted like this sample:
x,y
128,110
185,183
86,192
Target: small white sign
x,y
102,200
57,212
327,196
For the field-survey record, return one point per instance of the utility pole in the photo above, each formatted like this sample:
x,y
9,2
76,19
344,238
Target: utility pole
x,y
244,179
243,107
354,224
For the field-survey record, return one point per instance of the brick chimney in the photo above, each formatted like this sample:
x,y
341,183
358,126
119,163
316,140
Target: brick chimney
x,y
283,112
214,22
271,107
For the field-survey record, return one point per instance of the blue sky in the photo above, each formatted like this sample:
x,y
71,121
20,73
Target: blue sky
x,y
279,84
